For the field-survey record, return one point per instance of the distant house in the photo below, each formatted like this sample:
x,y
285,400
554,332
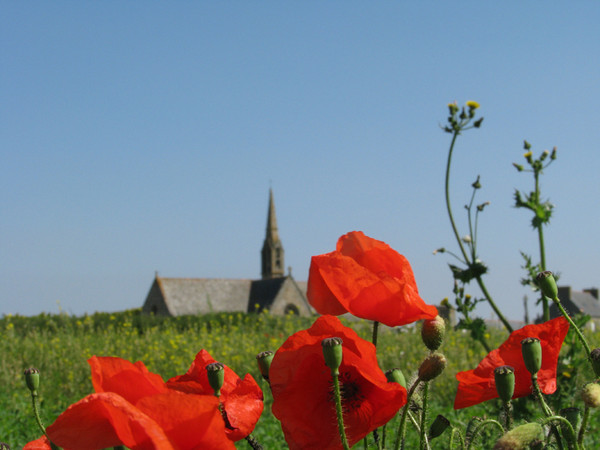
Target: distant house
x,y
578,302
275,291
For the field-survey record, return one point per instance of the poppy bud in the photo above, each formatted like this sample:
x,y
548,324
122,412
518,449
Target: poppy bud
x,y
547,284
438,426
505,382
520,437
532,354
32,378
595,359
264,363
216,376
332,351
432,332
591,395
396,376
432,367
572,415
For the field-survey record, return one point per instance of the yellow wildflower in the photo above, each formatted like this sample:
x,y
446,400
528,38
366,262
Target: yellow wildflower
x,y
472,104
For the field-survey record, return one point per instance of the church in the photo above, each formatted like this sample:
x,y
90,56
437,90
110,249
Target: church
x,y
276,292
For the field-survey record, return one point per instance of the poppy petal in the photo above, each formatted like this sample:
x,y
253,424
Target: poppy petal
x,y
189,421
478,385
106,420
302,388
39,444
131,381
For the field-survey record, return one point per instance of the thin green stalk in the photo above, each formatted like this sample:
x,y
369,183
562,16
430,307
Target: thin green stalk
x,y
458,240
538,394
338,409
565,425
507,406
402,425
423,438
375,331
462,439
577,330
545,306
584,421
481,426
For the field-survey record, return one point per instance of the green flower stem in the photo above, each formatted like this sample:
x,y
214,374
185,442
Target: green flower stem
x,y
507,406
253,442
584,421
538,394
461,439
423,438
338,408
402,425
459,241
375,330
545,307
577,330
480,427
566,426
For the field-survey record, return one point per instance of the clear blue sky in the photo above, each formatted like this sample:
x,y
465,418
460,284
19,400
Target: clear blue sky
x,y
143,136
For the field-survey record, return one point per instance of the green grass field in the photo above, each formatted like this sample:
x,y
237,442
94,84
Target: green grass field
x,y
59,346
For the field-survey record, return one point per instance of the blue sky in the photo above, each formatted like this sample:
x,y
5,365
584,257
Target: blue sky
x,y
143,136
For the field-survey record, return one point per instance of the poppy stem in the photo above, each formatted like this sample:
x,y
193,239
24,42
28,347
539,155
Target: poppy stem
x,y
375,330
575,327
253,442
481,425
402,425
338,408
38,419
508,418
584,421
461,438
423,438
567,430
538,394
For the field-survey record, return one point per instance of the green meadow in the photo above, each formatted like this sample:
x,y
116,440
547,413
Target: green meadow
x,y
59,346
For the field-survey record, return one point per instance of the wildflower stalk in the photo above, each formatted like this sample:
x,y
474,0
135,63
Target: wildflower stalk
x,y
480,427
457,129
575,327
567,429
584,421
338,408
402,425
460,436
538,394
375,332
423,438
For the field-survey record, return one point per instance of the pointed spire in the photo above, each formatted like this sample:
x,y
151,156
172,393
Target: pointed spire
x,y
272,231
272,251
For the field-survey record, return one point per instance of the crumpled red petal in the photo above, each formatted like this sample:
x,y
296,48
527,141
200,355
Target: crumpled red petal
x,y
302,388
478,385
132,381
39,444
106,420
242,399
368,279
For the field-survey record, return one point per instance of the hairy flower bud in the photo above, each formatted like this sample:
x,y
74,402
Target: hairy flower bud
x,y
505,382
532,354
438,426
591,395
216,376
520,437
432,332
396,376
432,366
32,379
264,363
547,284
332,351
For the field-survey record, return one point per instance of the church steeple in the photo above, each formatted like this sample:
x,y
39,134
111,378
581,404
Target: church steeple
x,y
272,251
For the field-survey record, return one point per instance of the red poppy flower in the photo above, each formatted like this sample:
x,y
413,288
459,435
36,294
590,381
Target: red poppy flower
x,y
302,388
368,279
478,385
133,407
241,399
